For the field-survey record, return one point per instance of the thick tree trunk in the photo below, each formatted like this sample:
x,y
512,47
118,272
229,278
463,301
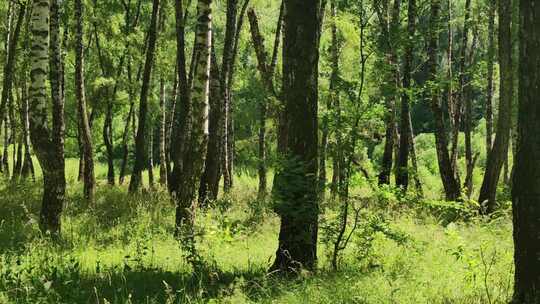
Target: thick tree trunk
x,y
49,149
86,136
188,166
451,185
526,186
499,151
402,176
298,206
140,141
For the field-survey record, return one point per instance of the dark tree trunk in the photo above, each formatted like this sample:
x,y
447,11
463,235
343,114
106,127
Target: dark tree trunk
x,y
162,135
150,157
169,124
108,141
125,142
228,135
131,21
140,141
107,131
5,153
15,140
450,100
227,66
466,99
28,164
499,151
526,188
451,185
209,187
490,60
189,165
266,69
130,121
298,205
389,30
86,136
180,123
9,67
262,170
402,176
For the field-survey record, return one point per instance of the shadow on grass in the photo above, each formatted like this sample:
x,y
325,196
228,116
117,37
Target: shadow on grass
x,y
19,214
123,285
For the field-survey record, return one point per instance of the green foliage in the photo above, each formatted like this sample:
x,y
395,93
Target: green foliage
x,y
122,250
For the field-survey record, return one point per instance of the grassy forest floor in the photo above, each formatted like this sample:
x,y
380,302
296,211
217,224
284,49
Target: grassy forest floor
x,y
122,250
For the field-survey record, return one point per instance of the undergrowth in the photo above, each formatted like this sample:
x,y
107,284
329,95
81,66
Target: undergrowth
x,y
122,250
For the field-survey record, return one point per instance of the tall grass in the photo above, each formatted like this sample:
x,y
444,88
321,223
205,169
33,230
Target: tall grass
x,y
122,250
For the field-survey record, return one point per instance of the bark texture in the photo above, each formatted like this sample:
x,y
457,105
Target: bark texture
x,y
49,146
402,176
188,165
140,140
389,29
451,185
499,151
9,67
86,134
296,188
526,188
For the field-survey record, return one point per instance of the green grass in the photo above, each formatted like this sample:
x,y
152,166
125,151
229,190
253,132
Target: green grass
x,y
121,250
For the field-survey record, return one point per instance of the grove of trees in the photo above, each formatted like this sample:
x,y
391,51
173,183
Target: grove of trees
x,y
318,100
